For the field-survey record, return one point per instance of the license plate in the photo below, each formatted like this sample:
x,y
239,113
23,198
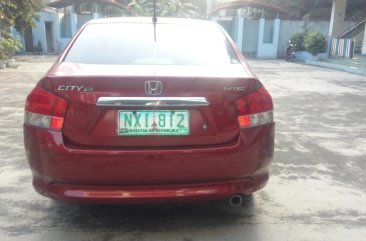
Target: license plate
x,y
153,122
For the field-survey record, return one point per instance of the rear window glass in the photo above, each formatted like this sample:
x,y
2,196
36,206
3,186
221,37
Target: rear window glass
x,y
133,44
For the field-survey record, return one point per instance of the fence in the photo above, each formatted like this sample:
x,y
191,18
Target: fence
x,y
342,48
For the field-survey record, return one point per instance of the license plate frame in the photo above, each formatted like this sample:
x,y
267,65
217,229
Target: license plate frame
x,y
151,123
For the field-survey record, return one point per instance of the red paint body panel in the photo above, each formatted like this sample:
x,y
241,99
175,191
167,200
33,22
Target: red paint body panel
x,y
153,194
240,167
88,162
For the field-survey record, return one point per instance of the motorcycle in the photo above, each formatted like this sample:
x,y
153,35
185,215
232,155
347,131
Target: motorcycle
x,y
291,52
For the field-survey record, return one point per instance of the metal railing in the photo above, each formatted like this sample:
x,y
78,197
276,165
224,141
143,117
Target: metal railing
x,y
357,24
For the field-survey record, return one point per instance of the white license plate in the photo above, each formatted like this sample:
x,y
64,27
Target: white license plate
x,y
153,122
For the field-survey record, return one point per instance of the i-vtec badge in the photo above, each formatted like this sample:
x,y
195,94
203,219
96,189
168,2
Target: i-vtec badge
x,y
75,88
234,88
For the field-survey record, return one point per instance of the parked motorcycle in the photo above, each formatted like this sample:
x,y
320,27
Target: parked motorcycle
x,y
291,52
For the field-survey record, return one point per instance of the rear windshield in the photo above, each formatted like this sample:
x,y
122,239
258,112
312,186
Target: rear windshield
x,y
134,44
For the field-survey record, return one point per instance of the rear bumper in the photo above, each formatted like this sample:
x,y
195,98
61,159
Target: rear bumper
x,y
143,176
148,194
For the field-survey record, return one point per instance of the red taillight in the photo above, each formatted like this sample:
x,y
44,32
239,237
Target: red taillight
x,y
44,109
255,109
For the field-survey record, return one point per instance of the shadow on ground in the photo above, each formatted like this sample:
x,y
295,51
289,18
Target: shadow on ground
x,y
147,218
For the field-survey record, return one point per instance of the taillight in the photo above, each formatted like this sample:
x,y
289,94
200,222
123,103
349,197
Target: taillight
x,y
254,109
44,109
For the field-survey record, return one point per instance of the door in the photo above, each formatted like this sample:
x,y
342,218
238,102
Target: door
x,y
49,37
28,39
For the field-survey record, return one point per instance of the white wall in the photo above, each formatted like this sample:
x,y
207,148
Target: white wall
x,y
250,37
268,46
39,32
73,21
288,28
82,19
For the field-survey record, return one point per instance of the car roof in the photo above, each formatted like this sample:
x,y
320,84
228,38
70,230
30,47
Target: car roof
x,y
161,20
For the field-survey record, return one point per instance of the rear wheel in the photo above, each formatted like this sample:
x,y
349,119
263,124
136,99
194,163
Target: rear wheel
x,y
289,55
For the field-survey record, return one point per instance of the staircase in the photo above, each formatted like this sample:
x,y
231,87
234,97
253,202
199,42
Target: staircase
x,y
358,47
354,30
338,60
342,46
358,22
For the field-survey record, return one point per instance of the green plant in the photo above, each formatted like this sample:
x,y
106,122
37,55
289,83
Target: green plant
x,y
176,8
8,47
19,14
315,42
298,39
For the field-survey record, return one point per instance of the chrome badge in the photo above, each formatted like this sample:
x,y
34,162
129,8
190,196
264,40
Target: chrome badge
x,y
75,88
153,87
234,88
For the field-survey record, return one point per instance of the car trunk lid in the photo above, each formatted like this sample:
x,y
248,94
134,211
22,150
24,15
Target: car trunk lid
x,y
100,95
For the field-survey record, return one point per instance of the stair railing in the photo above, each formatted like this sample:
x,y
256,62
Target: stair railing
x,y
356,20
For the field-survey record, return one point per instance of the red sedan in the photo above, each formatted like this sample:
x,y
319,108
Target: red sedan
x,y
140,112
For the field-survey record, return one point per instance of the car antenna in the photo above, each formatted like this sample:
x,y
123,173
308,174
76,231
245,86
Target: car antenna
x,y
155,20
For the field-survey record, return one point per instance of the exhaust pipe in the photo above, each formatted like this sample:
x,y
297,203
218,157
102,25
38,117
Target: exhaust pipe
x,y
236,200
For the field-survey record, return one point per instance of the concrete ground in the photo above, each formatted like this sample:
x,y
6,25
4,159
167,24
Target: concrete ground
x,y
317,189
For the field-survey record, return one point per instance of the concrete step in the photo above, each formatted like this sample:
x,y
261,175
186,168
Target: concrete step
x,y
357,61
358,48
356,65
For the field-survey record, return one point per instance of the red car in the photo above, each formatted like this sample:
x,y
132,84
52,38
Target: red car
x,y
141,112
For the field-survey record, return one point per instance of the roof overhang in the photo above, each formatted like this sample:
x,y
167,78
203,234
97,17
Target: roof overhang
x,y
249,3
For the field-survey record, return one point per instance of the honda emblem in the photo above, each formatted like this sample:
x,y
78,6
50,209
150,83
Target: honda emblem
x,y
153,87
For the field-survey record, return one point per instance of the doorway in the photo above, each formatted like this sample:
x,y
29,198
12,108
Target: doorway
x,y
49,37
28,40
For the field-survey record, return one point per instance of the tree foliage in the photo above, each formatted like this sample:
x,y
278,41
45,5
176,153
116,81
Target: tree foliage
x,y
8,46
166,8
19,14
176,8
301,6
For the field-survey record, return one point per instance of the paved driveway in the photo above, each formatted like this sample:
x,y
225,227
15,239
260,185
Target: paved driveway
x,y
317,190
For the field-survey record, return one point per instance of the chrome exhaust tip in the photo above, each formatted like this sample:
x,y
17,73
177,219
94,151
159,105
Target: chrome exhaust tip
x,y
236,200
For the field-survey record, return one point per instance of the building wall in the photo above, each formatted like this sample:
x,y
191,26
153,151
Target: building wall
x,y
82,19
288,28
250,37
268,38
64,26
39,32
